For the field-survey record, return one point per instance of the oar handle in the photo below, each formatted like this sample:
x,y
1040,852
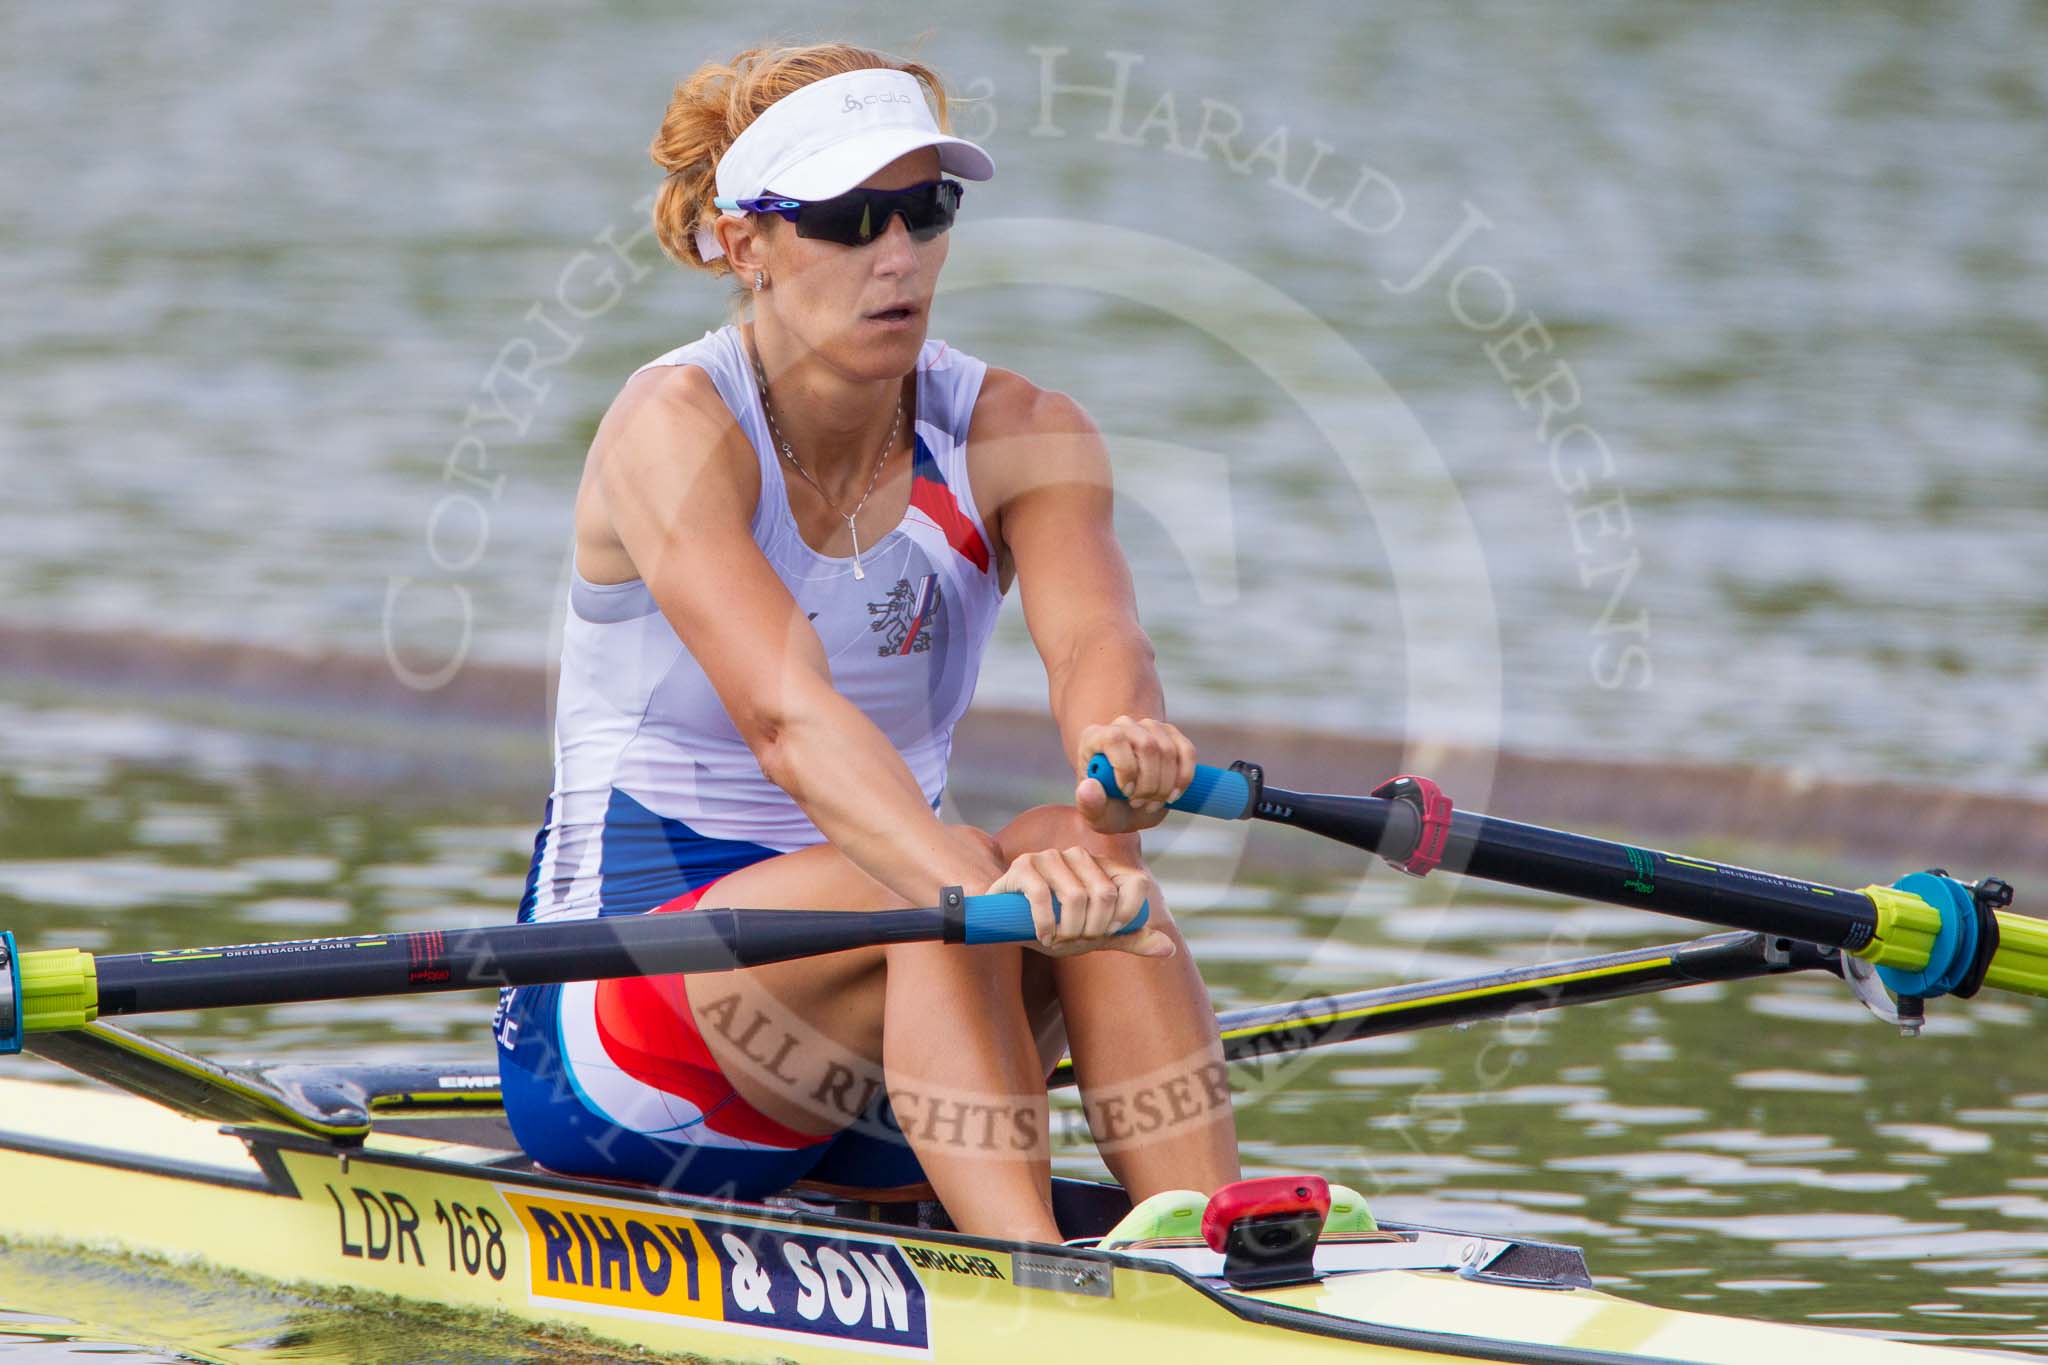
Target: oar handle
x,y
1005,917
1220,792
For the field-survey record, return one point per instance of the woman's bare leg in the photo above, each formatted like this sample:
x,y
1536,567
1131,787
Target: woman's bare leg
x,y
1143,1036
968,1085
964,1038
809,1042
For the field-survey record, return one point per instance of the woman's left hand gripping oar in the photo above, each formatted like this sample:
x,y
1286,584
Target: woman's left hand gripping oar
x,y
1154,763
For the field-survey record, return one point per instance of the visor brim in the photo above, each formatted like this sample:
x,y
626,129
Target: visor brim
x,y
836,169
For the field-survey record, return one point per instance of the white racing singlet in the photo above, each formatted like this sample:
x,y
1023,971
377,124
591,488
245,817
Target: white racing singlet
x,y
655,791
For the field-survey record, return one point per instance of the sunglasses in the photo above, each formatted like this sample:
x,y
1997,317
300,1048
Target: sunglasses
x,y
859,216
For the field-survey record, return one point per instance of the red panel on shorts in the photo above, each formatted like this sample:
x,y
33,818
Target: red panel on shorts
x,y
649,1032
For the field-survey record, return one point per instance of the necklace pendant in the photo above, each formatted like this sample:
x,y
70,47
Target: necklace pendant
x,y
854,531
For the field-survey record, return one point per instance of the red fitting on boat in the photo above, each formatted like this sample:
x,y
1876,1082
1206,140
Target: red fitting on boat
x,y
1433,808
1269,1202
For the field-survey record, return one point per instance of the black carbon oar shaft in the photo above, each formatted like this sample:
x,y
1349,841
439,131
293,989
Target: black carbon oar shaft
x,y
1590,869
63,988
494,955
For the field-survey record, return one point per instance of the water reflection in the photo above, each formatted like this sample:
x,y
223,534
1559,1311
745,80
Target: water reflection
x,y
109,1304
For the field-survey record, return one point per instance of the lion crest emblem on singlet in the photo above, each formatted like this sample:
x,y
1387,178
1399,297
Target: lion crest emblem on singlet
x,y
904,618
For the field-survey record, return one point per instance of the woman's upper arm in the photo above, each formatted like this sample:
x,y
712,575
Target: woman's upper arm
x,y
677,480
1050,473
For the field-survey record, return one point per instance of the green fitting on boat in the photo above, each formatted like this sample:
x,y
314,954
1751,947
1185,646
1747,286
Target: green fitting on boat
x,y
1906,929
2021,962
60,989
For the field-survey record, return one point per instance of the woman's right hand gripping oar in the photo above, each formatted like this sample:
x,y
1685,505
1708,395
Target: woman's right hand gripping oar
x,y
1080,901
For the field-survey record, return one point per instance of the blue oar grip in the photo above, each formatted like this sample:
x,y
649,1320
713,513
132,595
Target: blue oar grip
x,y
1211,791
1005,917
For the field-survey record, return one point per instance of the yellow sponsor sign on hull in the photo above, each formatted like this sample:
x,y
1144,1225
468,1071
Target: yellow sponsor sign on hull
x,y
622,1259
582,1253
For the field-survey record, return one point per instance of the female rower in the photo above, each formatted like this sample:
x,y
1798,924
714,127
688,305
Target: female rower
x,y
792,538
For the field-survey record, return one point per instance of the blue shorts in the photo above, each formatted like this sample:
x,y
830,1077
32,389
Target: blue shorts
x,y
613,1078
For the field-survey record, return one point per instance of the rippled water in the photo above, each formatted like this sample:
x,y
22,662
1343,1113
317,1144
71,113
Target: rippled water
x,y
260,261
260,264
1762,1149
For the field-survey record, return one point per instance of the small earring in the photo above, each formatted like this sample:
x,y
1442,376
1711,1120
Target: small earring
x,y
760,281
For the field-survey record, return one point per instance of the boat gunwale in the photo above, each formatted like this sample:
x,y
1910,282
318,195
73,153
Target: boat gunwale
x,y
258,1181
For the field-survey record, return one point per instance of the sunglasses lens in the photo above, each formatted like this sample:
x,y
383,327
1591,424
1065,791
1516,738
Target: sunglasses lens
x,y
942,208
859,216
848,219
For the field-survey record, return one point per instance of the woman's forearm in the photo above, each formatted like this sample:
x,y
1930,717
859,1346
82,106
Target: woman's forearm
x,y
1111,675
843,773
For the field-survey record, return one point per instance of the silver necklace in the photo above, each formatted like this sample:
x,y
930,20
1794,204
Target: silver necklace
x,y
852,526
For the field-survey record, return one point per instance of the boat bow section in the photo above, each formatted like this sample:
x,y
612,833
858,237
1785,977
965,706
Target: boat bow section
x,y
1493,1321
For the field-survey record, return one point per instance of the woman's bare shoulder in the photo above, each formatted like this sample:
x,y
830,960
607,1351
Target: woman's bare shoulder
x,y
677,392
1023,433
1011,405
667,441
1024,437
667,416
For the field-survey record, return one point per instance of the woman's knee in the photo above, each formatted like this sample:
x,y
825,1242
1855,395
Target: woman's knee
x,y
977,841
1058,826
920,973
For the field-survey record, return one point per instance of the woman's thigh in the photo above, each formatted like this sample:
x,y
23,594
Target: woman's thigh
x,y
801,1041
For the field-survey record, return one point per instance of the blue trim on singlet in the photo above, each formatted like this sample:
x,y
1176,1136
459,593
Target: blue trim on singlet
x,y
925,465
530,896
648,859
644,859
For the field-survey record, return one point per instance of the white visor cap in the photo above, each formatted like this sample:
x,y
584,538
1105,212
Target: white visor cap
x,y
827,137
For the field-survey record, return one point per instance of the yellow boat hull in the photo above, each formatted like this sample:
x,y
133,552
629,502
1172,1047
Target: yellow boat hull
x,y
456,1225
